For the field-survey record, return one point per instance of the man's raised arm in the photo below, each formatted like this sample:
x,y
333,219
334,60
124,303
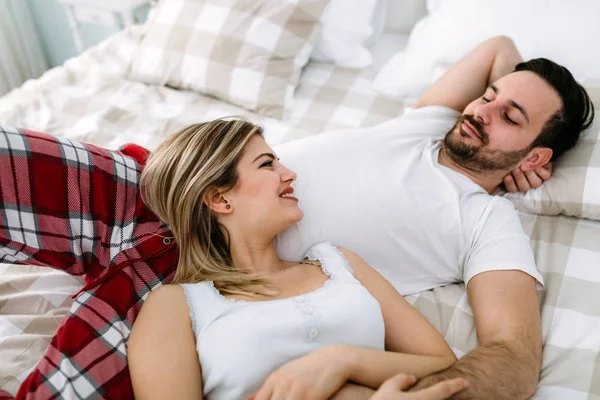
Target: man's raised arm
x,y
468,79
507,364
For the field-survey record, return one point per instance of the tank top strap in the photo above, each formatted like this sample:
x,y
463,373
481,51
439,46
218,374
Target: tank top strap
x,y
203,304
332,260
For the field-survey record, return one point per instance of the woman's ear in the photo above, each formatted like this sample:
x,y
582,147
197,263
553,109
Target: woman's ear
x,y
215,200
538,157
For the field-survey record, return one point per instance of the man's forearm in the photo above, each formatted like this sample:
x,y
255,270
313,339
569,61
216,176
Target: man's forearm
x,y
468,79
496,371
506,58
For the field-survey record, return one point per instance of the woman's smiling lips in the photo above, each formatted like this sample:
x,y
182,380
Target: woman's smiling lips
x,y
287,194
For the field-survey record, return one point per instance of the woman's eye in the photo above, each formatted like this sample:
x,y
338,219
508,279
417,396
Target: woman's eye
x,y
486,100
267,164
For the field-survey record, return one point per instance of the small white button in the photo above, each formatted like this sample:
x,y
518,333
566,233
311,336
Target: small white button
x,y
312,333
308,310
167,241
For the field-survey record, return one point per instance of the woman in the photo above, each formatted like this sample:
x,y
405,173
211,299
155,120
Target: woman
x,y
239,321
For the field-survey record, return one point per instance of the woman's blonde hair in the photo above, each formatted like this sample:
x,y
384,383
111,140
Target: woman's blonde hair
x,y
175,183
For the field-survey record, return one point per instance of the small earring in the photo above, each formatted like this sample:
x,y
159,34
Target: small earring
x,y
228,206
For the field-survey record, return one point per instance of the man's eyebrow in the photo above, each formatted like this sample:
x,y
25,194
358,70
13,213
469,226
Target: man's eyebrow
x,y
512,103
270,155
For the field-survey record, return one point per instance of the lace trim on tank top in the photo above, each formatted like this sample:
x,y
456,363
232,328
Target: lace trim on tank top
x,y
190,302
324,267
345,262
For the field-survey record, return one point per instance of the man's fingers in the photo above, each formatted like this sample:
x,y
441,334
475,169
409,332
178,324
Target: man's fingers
x,y
545,172
534,180
510,184
399,382
443,390
521,180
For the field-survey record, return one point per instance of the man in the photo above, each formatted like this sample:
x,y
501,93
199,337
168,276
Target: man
x,y
107,234
422,212
523,119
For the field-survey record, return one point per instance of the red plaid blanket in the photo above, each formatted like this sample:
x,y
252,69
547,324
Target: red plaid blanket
x,y
76,207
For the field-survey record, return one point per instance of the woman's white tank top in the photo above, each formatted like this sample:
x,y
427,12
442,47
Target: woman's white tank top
x,y
240,343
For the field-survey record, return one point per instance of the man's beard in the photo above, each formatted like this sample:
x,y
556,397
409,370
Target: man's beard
x,y
476,156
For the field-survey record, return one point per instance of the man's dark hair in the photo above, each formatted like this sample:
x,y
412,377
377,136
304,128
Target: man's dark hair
x,y
561,132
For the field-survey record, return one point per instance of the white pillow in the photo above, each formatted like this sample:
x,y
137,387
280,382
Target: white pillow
x,y
346,26
378,21
432,5
566,32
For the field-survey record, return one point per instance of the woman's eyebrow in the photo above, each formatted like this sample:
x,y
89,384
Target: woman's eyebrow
x,y
270,155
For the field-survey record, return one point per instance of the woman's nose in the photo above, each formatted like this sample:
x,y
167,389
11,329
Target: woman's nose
x,y
287,175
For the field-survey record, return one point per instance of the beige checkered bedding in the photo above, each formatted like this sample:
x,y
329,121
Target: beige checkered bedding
x,y
575,188
33,301
248,53
89,100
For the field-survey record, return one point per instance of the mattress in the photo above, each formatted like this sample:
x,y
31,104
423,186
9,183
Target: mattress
x,y
90,99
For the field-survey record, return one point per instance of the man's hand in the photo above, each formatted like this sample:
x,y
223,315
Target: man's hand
x,y
523,181
316,376
394,389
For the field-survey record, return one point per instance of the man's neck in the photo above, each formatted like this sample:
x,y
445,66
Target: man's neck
x,y
489,181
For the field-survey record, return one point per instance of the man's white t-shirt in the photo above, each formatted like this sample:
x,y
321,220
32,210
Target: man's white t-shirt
x,y
381,193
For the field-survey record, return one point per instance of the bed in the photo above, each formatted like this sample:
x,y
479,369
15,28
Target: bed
x,y
90,99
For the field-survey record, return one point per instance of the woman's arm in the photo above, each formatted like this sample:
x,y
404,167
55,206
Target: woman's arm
x,y
162,356
413,345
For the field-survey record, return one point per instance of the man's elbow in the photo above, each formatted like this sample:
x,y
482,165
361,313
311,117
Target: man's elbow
x,y
502,42
529,361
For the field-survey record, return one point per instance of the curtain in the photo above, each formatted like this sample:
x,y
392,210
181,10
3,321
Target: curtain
x,y
21,54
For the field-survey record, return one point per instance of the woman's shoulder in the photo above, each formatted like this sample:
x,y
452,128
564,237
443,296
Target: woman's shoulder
x,y
165,299
167,291
358,266
163,312
347,258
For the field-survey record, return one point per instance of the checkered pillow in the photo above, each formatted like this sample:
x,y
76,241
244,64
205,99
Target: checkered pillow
x,y
574,188
247,52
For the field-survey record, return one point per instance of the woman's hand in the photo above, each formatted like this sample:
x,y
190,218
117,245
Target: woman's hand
x,y
316,376
351,391
394,389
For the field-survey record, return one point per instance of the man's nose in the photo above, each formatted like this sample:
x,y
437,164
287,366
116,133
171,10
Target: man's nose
x,y
482,113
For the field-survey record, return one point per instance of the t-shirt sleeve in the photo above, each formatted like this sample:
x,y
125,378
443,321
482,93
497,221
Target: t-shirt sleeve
x,y
435,121
498,242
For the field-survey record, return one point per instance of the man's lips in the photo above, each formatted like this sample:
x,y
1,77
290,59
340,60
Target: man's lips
x,y
471,131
